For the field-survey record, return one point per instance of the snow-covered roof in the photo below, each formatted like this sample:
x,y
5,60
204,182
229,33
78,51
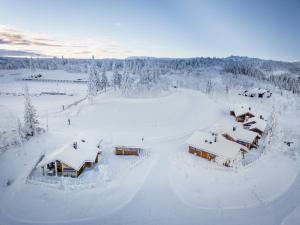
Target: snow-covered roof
x,y
127,141
239,133
260,125
242,109
222,147
258,91
75,158
255,119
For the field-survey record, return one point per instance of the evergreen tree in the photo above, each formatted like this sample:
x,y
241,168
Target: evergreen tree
x,y
93,82
20,132
126,84
30,117
117,78
104,81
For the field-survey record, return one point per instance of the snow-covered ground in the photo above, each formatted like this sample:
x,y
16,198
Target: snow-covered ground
x,y
165,184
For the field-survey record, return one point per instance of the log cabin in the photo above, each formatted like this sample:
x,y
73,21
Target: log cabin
x,y
256,124
242,136
127,150
71,159
242,113
214,147
127,145
259,127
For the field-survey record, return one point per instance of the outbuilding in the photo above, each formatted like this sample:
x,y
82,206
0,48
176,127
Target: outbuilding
x,y
127,145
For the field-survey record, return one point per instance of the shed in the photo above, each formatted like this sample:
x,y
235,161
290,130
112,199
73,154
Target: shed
x,y
127,145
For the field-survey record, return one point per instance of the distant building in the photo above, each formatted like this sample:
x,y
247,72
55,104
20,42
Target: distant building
x,y
71,159
257,92
214,147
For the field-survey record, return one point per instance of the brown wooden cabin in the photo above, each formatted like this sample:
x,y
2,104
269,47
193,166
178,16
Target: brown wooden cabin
x,y
127,150
201,153
59,168
242,117
249,145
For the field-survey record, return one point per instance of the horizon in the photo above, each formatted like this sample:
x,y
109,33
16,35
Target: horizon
x,y
161,29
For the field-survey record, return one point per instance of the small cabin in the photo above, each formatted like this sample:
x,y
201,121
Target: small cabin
x,y
71,159
242,113
216,148
242,136
259,127
128,146
255,120
127,150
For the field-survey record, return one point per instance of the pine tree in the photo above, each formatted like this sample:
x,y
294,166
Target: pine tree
x,y
30,117
93,82
104,81
117,78
126,84
20,132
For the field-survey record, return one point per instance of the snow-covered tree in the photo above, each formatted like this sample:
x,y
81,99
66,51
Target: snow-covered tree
x,y
117,78
30,116
126,84
93,81
20,131
209,87
32,67
104,81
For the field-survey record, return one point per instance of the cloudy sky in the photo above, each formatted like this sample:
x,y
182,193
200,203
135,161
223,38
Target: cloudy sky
x,y
267,29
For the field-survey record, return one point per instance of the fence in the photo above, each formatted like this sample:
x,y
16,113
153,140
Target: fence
x,y
51,80
79,183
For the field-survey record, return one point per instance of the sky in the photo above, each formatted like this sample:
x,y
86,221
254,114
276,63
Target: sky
x,y
268,29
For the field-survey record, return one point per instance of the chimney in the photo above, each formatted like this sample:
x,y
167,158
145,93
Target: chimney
x,y
234,128
75,145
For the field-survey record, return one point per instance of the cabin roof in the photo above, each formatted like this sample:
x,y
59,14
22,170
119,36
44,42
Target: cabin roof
x,y
75,158
127,141
222,147
241,110
258,91
240,133
259,124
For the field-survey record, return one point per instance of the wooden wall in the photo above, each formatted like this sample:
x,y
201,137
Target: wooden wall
x,y
201,153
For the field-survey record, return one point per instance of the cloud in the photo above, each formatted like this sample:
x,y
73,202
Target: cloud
x,y
14,37
17,53
22,42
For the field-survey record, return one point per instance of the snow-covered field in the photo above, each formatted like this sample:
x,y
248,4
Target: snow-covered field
x,y
165,184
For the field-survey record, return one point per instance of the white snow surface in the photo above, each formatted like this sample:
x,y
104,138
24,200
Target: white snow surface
x,y
165,184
